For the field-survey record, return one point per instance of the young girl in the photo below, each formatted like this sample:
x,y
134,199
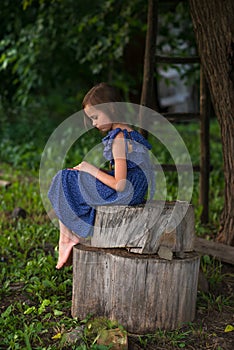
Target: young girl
x,y
74,193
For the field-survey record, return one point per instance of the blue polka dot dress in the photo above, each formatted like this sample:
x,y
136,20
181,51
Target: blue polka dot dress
x,y
74,194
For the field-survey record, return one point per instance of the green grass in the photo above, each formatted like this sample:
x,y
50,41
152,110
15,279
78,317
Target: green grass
x,y
36,297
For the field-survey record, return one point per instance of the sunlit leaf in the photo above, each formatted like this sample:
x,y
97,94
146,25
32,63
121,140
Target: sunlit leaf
x,y
57,336
29,310
229,328
58,313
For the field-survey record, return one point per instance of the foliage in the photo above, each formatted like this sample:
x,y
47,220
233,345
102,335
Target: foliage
x,y
48,45
65,46
35,36
176,38
212,270
177,339
175,29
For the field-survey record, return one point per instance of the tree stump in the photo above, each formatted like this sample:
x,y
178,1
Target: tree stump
x,y
144,228
142,292
139,268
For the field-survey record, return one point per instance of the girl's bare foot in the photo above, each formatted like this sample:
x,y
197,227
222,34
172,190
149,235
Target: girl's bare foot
x,y
65,250
67,241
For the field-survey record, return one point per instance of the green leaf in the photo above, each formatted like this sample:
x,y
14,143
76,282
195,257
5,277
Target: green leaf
x,y
29,310
229,328
42,308
6,313
58,313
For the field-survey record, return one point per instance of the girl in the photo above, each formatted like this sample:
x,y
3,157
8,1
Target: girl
x,y
74,193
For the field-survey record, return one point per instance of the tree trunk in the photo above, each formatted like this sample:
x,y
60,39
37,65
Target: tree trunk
x,y
213,22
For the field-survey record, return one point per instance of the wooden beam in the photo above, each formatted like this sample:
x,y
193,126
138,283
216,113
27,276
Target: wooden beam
x,y
148,92
177,59
219,251
181,117
176,168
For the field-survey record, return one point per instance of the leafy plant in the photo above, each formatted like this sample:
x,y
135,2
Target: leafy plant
x,y
177,339
211,302
212,270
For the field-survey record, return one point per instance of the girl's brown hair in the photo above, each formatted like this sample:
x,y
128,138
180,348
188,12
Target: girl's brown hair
x,y
104,95
101,93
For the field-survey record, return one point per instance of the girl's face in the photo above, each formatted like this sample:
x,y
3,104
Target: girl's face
x,y
99,119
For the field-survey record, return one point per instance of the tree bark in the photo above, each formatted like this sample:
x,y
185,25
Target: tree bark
x,y
213,22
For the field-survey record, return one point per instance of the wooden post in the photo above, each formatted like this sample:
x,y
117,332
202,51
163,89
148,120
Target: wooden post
x,y
147,94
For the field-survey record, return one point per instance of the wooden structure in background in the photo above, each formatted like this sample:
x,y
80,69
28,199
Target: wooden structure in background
x,y
151,59
219,251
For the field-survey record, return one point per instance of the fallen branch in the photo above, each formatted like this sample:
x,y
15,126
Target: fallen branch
x,y
219,251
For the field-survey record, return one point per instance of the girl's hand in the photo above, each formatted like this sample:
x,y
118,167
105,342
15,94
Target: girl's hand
x,y
86,167
117,181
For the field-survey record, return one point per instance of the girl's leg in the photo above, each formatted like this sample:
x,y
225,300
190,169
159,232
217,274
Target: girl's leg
x,y
67,240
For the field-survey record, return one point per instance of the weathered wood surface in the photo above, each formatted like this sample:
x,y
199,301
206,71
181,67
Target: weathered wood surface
x,y
142,292
219,251
144,228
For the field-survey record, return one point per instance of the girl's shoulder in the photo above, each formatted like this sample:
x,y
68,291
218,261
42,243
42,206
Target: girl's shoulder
x,y
111,135
128,134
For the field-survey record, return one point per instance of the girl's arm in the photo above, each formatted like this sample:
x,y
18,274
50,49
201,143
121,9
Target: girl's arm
x,y
118,181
